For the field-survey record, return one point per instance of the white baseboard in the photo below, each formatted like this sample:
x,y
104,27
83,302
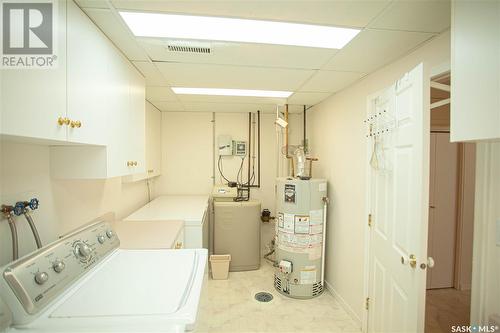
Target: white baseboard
x,y
344,304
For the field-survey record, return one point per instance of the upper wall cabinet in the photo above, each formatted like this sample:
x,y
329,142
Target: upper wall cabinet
x,y
92,105
475,70
89,54
33,99
153,140
106,93
153,145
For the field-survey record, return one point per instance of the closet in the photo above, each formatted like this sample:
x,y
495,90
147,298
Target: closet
x,y
444,174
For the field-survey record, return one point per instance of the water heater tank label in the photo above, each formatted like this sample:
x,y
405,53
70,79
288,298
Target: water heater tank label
x,y
301,224
308,275
289,193
316,216
288,223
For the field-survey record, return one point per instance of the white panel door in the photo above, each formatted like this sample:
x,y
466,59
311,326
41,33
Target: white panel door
x,y
398,204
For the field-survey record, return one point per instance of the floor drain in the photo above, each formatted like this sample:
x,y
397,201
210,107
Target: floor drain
x,y
263,297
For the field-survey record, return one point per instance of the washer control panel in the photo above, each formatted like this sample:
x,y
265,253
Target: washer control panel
x,y
40,277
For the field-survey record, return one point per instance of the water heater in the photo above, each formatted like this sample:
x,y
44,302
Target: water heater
x,y
300,210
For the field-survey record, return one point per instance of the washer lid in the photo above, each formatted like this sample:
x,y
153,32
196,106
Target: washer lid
x,y
134,283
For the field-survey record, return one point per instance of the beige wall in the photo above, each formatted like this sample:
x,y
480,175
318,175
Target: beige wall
x,y
64,205
338,139
188,159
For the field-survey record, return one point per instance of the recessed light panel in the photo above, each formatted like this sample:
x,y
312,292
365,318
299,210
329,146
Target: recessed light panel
x,y
236,30
231,92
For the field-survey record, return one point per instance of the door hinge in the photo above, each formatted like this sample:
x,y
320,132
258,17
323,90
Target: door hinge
x,y
369,220
367,303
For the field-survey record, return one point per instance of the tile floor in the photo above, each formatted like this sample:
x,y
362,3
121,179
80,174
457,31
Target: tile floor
x,y
445,308
229,306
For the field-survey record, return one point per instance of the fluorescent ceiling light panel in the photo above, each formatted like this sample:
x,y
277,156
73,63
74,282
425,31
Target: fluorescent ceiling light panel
x,y
236,30
231,92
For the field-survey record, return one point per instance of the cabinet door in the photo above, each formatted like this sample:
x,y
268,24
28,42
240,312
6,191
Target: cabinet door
x,y
88,78
153,140
475,70
136,127
118,128
33,99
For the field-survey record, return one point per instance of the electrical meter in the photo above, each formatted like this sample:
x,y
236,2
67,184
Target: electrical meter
x,y
239,148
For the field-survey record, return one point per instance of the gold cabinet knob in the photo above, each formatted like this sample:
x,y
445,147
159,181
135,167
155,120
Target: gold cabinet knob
x,y
63,121
178,245
76,124
130,163
151,170
135,163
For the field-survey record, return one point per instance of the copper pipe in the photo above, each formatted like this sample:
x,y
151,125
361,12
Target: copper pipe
x,y
258,144
249,150
289,158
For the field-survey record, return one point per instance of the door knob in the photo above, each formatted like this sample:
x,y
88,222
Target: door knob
x,y
430,262
412,260
76,124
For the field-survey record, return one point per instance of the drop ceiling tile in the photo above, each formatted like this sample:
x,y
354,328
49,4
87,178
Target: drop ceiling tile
x,y
294,108
229,107
330,81
152,74
307,98
372,49
238,77
116,31
92,3
339,12
424,16
230,99
168,106
245,54
160,94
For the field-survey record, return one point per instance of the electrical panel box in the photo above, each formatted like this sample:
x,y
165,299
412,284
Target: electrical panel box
x,y
285,266
224,144
239,148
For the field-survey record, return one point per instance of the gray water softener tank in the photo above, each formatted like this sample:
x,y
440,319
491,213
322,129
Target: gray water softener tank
x,y
299,236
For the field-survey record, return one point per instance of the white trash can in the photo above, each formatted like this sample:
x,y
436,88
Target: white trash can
x,y
220,266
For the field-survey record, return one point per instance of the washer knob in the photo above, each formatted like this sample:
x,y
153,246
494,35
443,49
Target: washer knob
x,y
109,233
41,277
58,266
82,250
101,239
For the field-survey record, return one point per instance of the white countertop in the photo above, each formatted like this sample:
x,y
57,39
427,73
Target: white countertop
x,y
187,208
147,234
